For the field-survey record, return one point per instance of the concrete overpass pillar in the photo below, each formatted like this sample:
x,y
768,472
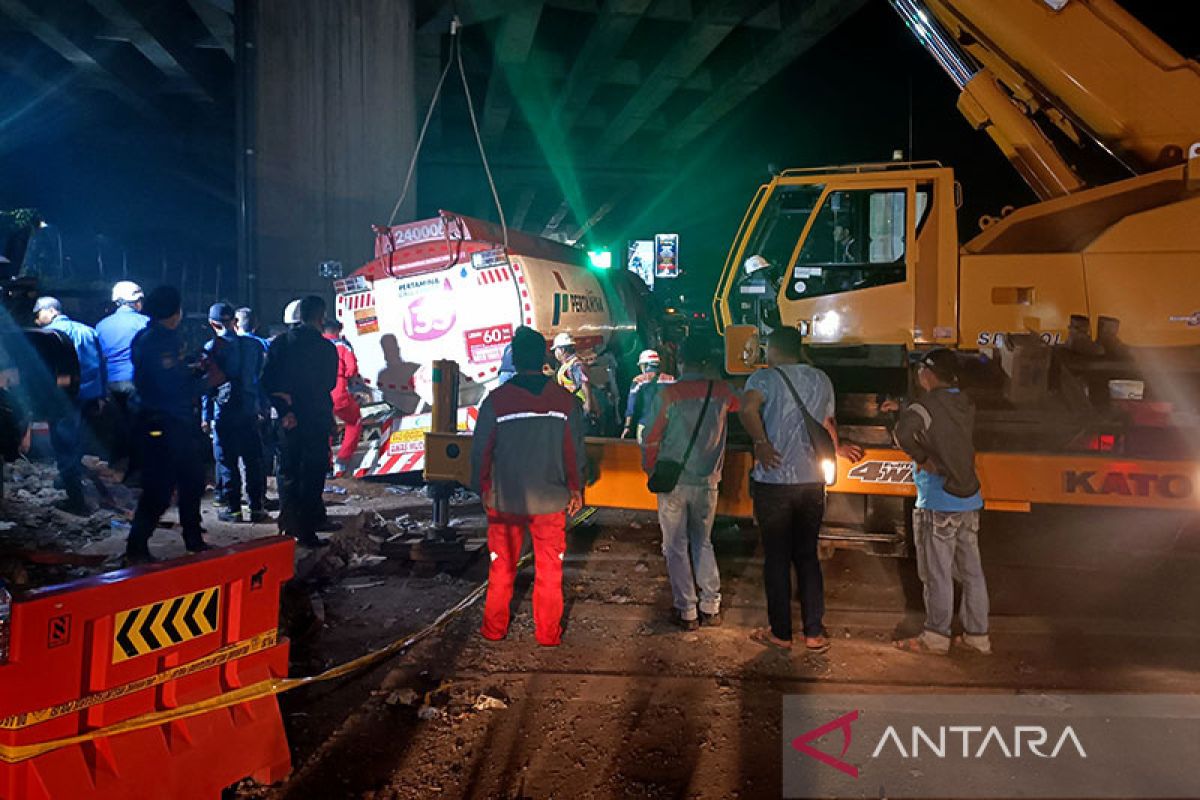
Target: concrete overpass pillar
x,y
332,126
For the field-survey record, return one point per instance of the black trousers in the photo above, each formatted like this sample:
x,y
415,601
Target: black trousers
x,y
173,461
66,437
123,434
789,519
303,463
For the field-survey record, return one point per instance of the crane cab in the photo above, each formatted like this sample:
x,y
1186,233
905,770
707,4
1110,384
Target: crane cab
x,y
853,256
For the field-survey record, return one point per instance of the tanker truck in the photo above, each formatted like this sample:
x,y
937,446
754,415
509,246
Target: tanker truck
x,y
450,287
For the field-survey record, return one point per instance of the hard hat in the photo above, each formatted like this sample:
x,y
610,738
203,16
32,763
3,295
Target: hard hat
x,y
291,314
126,292
564,339
755,263
649,357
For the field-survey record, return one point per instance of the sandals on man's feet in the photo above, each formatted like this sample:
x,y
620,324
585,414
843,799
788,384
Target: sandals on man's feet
x,y
763,636
816,644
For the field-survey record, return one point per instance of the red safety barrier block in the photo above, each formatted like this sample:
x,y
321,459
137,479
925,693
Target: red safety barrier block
x,y
99,651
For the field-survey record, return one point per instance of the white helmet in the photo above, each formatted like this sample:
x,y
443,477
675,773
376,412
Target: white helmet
x,y
564,339
127,292
755,263
291,314
649,357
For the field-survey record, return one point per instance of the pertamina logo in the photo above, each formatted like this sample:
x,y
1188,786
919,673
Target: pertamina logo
x,y
565,303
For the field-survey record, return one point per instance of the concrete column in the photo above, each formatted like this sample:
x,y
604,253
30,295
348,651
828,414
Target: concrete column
x,y
334,121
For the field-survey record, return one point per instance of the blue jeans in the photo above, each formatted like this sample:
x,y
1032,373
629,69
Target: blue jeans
x,y
236,438
948,551
686,517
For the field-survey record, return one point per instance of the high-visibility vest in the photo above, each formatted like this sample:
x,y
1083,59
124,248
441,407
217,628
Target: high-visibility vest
x,y
567,382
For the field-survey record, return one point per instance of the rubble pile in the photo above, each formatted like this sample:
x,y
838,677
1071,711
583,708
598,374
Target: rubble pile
x,y
39,544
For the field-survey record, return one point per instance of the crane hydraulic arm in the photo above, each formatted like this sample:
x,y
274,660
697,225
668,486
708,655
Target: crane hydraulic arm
x,y
1090,68
989,107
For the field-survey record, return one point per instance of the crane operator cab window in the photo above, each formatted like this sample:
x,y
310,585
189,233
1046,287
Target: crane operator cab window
x,y
768,254
856,241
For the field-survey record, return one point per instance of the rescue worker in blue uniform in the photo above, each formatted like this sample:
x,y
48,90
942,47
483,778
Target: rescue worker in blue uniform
x,y
231,412
116,332
247,326
300,373
168,427
66,435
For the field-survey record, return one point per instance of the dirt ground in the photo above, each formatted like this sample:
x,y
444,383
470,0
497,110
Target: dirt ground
x,y
630,706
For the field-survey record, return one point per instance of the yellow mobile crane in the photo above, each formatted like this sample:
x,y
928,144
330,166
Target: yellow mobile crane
x,y
1102,120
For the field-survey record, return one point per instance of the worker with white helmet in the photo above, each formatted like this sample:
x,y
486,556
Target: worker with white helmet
x,y
642,392
572,373
291,313
116,333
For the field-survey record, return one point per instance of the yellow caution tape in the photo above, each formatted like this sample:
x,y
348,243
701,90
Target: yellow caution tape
x,y
226,654
245,694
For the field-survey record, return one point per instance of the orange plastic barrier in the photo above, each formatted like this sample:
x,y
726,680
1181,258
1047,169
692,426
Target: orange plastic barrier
x,y
92,653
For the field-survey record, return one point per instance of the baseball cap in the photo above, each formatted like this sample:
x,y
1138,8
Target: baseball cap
x,y
46,302
220,312
942,362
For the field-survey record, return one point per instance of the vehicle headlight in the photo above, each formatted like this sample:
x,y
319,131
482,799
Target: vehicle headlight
x,y
829,470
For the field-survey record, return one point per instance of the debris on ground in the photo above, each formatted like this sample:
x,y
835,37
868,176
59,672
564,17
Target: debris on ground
x,y
354,587
490,699
402,697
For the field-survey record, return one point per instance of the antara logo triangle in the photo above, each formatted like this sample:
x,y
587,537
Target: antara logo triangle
x,y
802,743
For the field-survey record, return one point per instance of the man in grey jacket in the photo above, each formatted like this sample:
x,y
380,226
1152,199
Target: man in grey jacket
x,y
528,464
686,513
936,432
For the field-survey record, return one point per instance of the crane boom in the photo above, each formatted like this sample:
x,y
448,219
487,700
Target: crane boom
x,y
1090,68
987,105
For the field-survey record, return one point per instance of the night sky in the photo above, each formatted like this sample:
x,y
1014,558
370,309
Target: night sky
x,y
114,188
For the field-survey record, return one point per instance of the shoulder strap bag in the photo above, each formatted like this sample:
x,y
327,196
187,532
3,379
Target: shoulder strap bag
x,y
822,442
666,472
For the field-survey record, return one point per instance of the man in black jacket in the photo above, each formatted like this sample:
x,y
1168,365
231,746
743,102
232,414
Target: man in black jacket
x,y
300,372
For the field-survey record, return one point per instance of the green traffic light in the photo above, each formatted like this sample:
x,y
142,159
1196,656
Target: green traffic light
x,y
600,259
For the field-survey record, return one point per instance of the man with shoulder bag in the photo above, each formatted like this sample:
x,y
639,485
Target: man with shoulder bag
x,y
788,410
683,453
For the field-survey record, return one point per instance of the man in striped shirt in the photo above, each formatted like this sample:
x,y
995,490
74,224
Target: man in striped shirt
x,y
528,465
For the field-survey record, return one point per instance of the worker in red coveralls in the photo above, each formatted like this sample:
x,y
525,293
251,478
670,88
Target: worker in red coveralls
x,y
528,464
345,406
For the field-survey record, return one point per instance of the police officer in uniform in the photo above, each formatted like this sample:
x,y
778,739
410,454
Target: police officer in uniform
x,y
300,374
170,439
231,412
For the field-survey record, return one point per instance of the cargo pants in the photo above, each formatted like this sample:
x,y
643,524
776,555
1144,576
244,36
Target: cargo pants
x,y
948,551
506,533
